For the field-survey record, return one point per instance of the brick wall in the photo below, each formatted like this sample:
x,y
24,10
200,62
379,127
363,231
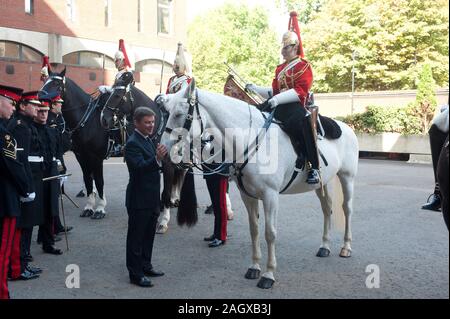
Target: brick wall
x,y
51,16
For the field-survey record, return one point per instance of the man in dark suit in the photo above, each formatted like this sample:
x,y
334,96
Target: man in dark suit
x,y
143,197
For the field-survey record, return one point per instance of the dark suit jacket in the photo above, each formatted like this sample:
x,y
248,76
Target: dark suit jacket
x,y
143,191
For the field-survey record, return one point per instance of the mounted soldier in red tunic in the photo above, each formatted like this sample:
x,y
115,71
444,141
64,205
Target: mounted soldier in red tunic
x,y
289,95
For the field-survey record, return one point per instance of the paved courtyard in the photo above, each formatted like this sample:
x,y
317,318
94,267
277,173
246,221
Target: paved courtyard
x,y
409,245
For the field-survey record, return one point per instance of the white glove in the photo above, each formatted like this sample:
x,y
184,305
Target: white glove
x,y
29,198
273,102
105,89
264,92
62,180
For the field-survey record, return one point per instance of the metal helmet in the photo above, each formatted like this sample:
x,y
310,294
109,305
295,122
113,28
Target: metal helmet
x,y
292,37
180,60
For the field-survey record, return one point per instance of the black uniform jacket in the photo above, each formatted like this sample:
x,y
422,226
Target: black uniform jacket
x,y
13,179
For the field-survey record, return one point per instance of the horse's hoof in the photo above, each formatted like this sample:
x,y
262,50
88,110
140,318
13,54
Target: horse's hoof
x,y
98,215
323,252
162,229
176,203
345,253
265,283
87,213
252,273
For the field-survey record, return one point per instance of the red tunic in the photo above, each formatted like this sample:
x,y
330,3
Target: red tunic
x,y
176,83
296,74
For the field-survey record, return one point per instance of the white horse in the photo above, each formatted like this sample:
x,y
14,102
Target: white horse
x,y
222,112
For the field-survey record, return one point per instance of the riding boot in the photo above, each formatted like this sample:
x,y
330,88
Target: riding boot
x,y
311,152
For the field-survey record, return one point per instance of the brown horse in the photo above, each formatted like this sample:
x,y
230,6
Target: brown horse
x,y
443,178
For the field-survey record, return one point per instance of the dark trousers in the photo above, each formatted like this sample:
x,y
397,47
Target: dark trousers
x,y
437,140
299,129
217,188
140,237
46,232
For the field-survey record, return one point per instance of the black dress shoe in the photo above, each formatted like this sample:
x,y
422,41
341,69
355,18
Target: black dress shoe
x,y
434,203
52,250
209,210
153,273
61,231
26,275
216,243
313,177
33,269
210,238
141,282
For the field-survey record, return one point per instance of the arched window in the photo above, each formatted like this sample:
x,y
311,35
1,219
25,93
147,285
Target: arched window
x,y
153,66
17,51
89,59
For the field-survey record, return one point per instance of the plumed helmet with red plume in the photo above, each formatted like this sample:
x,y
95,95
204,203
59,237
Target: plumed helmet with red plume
x,y
293,35
45,68
122,54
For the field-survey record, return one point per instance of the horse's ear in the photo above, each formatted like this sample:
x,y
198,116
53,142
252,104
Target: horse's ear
x,y
63,73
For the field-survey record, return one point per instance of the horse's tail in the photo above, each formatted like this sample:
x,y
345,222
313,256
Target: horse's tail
x,y
168,175
187,210
338,217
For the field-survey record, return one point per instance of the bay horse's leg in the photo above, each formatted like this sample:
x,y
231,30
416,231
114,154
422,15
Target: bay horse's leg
x,y
326,203
347,182
100,212
270,203
254,271
89,184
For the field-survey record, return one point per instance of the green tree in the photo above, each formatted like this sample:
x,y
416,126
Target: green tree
x,y
425,105
305,8
238,35
393,39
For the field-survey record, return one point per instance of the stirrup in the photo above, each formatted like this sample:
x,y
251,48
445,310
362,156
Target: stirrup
x,y
312,180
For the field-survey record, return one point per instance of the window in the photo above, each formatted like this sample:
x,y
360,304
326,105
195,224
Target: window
x,y
108,13
89,59
164,16
17,51
153,66
29,7
71,9
140,15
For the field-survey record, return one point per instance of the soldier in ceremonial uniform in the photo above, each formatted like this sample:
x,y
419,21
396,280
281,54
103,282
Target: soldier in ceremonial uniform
x,y
56,122
180,67
13,182
289,95
122,64
25,134
51,189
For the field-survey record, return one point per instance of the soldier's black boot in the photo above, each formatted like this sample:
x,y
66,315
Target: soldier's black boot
x,y
434,203
312,153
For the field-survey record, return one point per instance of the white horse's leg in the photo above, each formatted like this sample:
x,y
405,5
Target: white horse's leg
x,y
164,222
229,208
88,210
347,182
325,201
252,206
101,205
270,202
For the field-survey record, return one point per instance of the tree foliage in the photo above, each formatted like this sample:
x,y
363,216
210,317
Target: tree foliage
x,y
305,8
238,35
393,40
